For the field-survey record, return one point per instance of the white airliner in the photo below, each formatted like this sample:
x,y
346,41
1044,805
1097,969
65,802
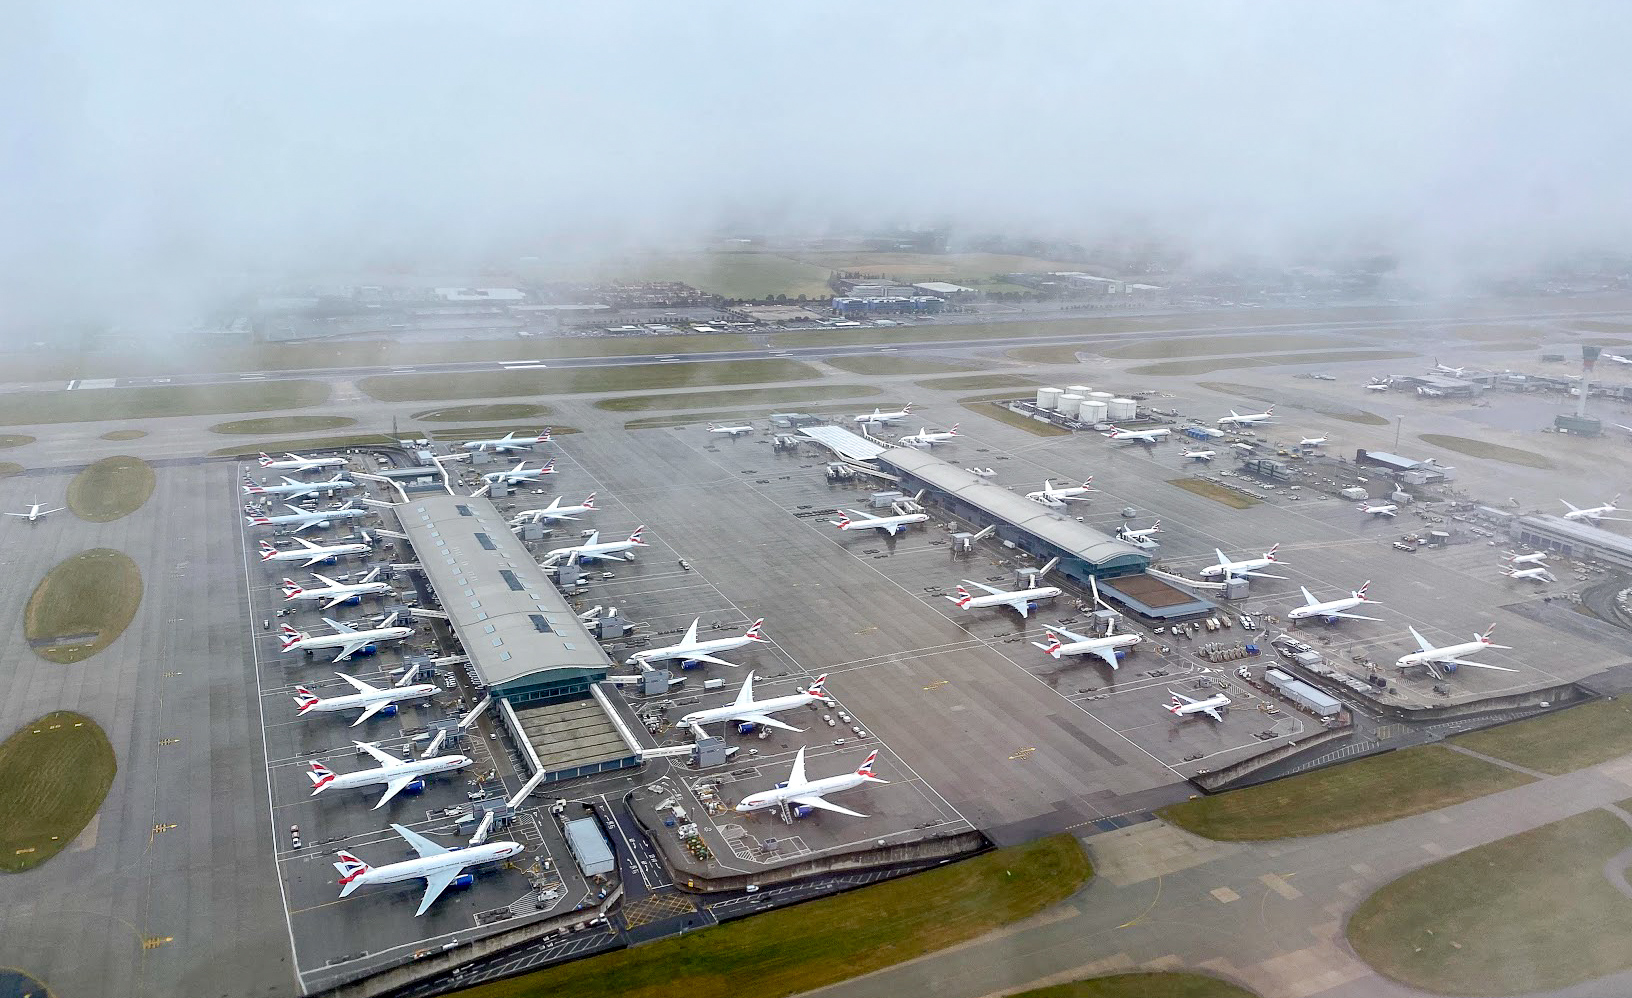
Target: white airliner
x,y
316,518
1139,436
349,640
509,442
1430,657
1455,372
1616,358
519,475
1311,441
397,774
372,699
1332,610
334,592
1211,706
689,649
1427,392
924,438
439,866
1080,644
1139,537
746,710
1247,566
799,791
1056,498
1239,419
1533,558
295,462
594,550
555,511
1021,600
1377,386
1595,513
37,511
292,489
880,416
1386,509
849,519
1537,574
1199,455
730,431
310,554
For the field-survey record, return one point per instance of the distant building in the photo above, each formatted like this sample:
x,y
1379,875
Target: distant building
x,y
920,304
466,295
1572,539
941,289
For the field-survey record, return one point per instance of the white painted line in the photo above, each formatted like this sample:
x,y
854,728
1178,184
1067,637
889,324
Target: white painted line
x,y
531,365
252,377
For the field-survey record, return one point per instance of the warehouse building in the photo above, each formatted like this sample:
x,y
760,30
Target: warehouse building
x,y
1572,539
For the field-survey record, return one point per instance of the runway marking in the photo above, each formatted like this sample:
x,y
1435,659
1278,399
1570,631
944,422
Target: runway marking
x,y
937,684
169,741
162,828
1148,909
1025,753
154,942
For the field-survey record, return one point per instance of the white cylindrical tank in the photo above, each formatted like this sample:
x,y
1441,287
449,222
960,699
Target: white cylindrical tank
x,y
1102,396
1078,389
1093,411
1121,409
1069,404
1048,398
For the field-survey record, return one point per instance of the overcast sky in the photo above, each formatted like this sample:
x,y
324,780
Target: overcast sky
x,y
175,147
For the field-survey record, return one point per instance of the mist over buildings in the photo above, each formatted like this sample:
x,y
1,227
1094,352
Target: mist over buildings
x,y
161,156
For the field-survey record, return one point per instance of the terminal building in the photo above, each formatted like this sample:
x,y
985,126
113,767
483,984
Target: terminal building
x,y
1572,539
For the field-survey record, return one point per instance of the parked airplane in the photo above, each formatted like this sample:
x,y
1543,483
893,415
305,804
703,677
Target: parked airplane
x,y
316,518
1199,455
982,472
372,699
310,554
439,866
1139,436
397,774
1616,358
1247,566
1427,392
849,519
509,442
1332,610
594,550
730,430
1386,509
36,511
1056,498
1238,420
1311,441
799,791
1430,657
519,475
297,463
924,438
337,592
1537,574
1021,600
1183,705
292,489
1455,372
879,416
349,640
555,511
746,710
689,649
1132,536
1533,558
1595,513
1080,644
1377,386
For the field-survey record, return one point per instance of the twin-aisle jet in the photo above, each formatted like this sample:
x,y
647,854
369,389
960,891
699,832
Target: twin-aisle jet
x,y
519,475
594,550
1537,574
880,416
310,554
1247,566
746,710
297,463
849,519
689,649
372,699
1311,441
439,866
509,442
1080,644
1430,657
1240,419
731,431
1139,538
397,774
349,640
554,511
37,512
1056,498
1386,509
335,593
1595,513
1532,558
1616,358
292,489
799,791
1020,600
1211,706
1331,610
1199,455
1137,436
924,438
1455,372
316,518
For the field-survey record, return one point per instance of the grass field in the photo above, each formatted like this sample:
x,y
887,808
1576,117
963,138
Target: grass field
x,y
306,444
83,605
957,268
746,396
744,274
1501,331
124,435
898,920
1215,492
54,774
1562,741
1531,912
1051,353
14,439
884,364
1365,792
9,468
110,488
1506,347
1209,365
976,382
284,424
1143,985
981,406
1363,418
1164,348
483,413
1485,449
637,377
105,404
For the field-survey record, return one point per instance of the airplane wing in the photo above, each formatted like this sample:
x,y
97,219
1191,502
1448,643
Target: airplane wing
x,y
1020,604
349,649
1422,642
797,776
1222,561
892,528
811,800
696,657
1308,598
435,884
16,514
422,845
764,720
1260,575
1180,696
336,601
745,696
1349,616
369,711
314,559
358,684
691,632
307,543
395,787
323,578
1070,634
306,526
1108,654
978,585
1476,665
339,627
1213,713
378,754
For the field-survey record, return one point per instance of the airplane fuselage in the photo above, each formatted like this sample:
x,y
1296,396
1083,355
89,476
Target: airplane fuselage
x,y
816,788
884,522
1236,567
313,555
299,489
358,701
1322,609
1440,654
416,869
733,711
1005,599
307,643
305,465
684,651
342,592
385,774
304,518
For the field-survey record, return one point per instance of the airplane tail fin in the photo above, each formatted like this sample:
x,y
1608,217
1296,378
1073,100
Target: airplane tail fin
x,y
1054,646
907,407
543,436
290,638
754,631
291,589
866,767
262,459
259,521
1270,554
1361,592
711,427
350,869
1270,411
305,699
954,430
1156,527
819,687
321,776
963,598
267,550
589,501
843,520
634,538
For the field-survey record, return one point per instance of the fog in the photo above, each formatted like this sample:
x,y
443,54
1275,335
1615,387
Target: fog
x,y
159,156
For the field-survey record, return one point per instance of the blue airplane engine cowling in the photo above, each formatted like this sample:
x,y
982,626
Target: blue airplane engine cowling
x,y
803,810
418,786
463,880
353,600
690,663
1121,653
1448,666
368,649
389,710
746,728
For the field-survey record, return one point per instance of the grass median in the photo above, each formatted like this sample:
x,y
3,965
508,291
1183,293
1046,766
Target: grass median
x,y
1207,365
899,919
1152,984
284,424
1215,492
15,439
1487,450
9,468
124,435
111,488
977,382
984,405
82,605
54,774
885,364
634,377
484,413
741,397
106,404
1562,741
307,444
